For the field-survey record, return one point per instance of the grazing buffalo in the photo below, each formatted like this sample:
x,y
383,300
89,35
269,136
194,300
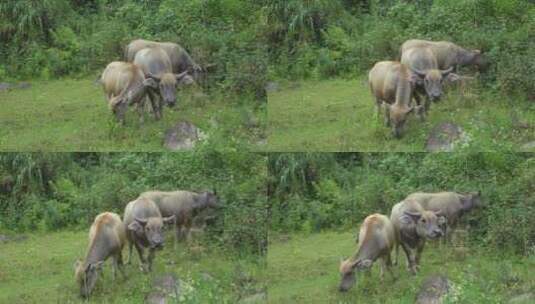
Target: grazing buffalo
x,y
125,84
423,63
155,64
391,84
451,205
184,205
448,54
144,224
181,61
376,240
107,237
413,225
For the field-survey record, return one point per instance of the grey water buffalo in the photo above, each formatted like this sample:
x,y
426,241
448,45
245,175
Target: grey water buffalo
x,y
181,61
413,225
451,205
422,61
448,54
184,205
155,64
392,84
124,84
107,237
376,241
144,224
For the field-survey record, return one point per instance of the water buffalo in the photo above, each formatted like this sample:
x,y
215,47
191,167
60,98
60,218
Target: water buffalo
x,y
124,84
181,61
451,205
107,237
156,65
391,84
376,240
448,54
184,205
423,63
413,225
144,224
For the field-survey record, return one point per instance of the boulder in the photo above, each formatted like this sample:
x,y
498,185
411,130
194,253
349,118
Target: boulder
x,y
260,297
444,137
433,290
530,146
4,86
272,86
24,85
183,136
523,298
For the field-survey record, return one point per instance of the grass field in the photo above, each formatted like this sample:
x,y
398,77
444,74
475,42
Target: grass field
x,y
339,115
40,270
72,115
304,269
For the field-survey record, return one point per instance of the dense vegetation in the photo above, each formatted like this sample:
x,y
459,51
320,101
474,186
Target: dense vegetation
x,y
325,38
317,191
65,191
50,38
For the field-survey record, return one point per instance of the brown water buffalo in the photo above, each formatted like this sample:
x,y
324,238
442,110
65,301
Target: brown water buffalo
x,y
155,64
181,61
376,241
451,205
448,54
184,205
107,237
144,224
423,63
413,225
391,84
124,84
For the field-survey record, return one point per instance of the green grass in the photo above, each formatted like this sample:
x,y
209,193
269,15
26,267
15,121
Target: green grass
x,y
40,270
339,115
304,269
72,115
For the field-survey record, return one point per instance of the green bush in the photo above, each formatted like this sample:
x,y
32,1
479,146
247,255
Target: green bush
x,y
347,187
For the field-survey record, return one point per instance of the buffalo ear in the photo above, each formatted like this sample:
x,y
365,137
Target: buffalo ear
x,y
77,264
452,77
446,71
169,219
142,222
152,76
135,226
96,266
415,79
410,110
150,82
181,75
386,106
364,264
410,216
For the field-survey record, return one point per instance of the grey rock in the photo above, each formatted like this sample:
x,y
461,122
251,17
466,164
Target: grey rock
x,y
530,146
272,86
24,85
156,297
433,290
523,299
5,86
183,136
444,137
168,284
260,297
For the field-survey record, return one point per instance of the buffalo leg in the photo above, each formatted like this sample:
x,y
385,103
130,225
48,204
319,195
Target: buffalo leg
x,y
120,264
130,245
410,258
419,249
151,258
422,113
154,104
140,253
